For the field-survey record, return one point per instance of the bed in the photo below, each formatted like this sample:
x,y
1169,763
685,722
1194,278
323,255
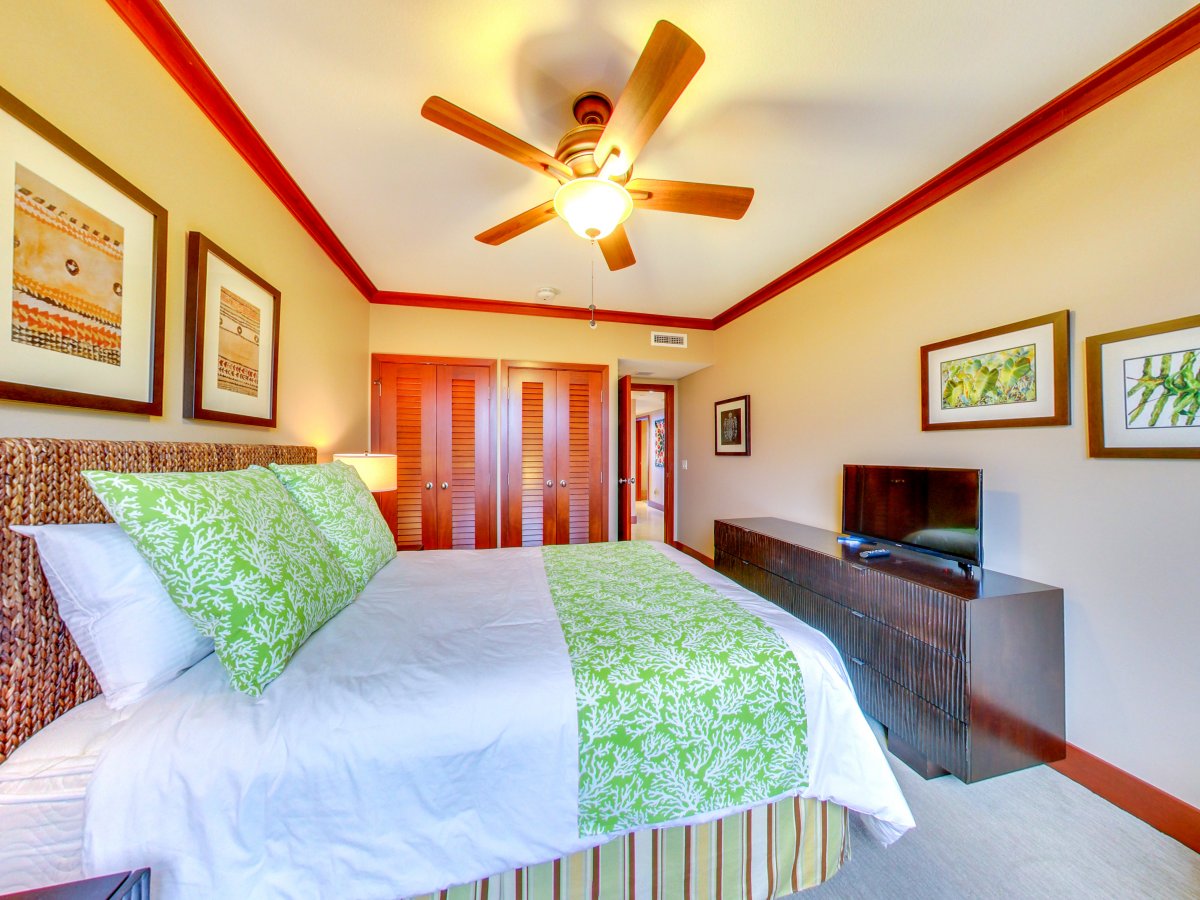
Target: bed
x,y
375,766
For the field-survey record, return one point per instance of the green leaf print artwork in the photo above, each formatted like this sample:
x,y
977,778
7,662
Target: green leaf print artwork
x,y
990,379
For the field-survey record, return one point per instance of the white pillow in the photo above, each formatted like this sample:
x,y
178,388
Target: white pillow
x,y
131,634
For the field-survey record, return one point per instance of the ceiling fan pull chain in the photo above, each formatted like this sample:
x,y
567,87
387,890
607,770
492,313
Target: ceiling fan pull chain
x,y
592,305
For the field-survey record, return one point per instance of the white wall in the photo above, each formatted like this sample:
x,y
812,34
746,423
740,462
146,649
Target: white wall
x,y
1103,219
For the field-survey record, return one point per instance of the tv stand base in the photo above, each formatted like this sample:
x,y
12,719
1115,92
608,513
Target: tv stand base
x,y
913,758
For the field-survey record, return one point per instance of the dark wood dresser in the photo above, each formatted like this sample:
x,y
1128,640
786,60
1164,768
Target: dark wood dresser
x,y
965,671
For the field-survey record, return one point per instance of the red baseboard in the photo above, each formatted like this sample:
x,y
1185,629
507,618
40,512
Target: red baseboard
x,y
1155,807
694,554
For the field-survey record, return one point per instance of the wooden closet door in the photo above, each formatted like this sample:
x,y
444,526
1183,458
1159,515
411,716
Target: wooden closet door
x,y
530,497
463,483
407,427
579,457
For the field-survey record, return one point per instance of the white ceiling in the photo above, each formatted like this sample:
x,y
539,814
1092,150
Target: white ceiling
x,y
658,368
646,401
830,109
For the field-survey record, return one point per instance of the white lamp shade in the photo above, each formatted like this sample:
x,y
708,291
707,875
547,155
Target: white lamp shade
x,y
593,207
377,470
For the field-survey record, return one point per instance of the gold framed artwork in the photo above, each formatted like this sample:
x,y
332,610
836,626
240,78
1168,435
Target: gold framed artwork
x,y
1016,375
732,425
1143,391
85,259
231,339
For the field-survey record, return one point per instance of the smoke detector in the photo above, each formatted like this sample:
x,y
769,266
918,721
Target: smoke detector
x,y
547,294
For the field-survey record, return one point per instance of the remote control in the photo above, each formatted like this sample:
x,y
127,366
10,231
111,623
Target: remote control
x,y
872,554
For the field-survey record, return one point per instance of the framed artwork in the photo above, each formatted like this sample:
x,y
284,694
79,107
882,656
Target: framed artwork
x,y
1014,375
231,341
732,425
1143,391
660,443
84,256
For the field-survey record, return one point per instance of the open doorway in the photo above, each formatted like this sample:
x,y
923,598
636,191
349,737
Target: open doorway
x,y
647,452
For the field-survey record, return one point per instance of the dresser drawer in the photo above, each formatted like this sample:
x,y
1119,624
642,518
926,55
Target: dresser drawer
x,y
929,616
930,673
942,657
942,738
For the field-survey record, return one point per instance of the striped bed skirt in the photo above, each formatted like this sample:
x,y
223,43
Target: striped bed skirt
x,y
765,852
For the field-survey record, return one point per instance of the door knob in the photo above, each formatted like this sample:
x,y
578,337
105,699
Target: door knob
x,y
563,483
429,485
445,485
622,481
549,484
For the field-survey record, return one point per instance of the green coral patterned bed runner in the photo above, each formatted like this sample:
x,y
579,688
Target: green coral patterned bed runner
x,y
687,703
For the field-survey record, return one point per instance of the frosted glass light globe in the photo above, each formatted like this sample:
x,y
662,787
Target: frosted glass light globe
x,y
592,206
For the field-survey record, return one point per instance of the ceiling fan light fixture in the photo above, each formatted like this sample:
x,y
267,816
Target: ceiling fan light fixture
x,y
593,206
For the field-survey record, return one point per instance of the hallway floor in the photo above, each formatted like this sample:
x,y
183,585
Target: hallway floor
x,y
649,524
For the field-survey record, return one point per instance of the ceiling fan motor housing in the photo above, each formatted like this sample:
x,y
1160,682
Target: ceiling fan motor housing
x,y
592,111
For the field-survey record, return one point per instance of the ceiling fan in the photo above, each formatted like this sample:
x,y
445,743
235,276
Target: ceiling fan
x,y
594,160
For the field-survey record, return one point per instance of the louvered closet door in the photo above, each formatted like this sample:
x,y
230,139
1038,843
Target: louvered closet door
x,y
438,420
554,446
408,427
464,509
580,490
531,500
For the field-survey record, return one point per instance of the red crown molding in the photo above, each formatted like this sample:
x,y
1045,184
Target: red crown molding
x,y
441,301
1155,807
1167,45
163,38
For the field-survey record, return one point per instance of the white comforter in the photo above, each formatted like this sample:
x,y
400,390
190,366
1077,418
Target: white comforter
x,y
424,737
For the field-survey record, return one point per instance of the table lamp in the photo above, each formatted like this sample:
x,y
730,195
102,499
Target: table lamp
x,y
377,470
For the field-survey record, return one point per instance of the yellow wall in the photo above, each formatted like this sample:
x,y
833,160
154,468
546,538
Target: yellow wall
x,y
79,66
446,332
1103,219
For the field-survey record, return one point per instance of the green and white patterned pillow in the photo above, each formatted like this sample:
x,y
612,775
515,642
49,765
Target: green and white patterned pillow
x,y
337,501
237,556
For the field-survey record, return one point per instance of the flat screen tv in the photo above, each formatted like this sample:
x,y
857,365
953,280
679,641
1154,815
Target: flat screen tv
x,y
938,511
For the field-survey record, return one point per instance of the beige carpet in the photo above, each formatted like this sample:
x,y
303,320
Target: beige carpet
x,y
1032,834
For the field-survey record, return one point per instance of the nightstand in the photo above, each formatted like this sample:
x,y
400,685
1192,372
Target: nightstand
x,y
133,885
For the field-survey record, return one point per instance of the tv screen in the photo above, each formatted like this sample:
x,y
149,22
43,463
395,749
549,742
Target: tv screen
x,y
933,510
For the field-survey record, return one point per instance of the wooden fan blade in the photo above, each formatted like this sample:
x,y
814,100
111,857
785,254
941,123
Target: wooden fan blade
x,y
519,224
444,113
616,249
721,200
664,69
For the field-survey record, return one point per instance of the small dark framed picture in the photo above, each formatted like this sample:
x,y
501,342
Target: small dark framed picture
x,y
1143,391
1012,376
231,341
732,425
84,263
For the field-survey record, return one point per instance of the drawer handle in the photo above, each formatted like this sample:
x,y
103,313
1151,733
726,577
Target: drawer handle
x,y
858,568
857,661
857,614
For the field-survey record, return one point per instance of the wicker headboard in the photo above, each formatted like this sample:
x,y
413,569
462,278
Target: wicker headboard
x,y
42,674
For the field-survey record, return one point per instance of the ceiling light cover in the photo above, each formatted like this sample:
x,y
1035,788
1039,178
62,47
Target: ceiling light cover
x,y
593,207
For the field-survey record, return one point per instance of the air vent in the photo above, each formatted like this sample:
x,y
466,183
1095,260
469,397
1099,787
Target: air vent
x,y
667,339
